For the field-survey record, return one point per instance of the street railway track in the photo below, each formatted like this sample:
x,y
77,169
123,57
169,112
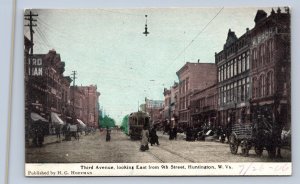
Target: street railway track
x,y
170,151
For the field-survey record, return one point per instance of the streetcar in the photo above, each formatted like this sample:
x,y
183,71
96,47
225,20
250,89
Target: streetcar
x,y
136,122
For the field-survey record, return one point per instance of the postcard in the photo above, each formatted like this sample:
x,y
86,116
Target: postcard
x,y
158,92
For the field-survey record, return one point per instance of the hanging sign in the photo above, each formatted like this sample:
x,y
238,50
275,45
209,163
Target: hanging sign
x,y
35,65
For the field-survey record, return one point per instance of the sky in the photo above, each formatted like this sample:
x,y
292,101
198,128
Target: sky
x,y
107,48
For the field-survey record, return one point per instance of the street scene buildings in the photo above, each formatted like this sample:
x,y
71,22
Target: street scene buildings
x,y
240,101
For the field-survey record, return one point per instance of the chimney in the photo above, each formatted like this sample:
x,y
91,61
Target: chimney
x,y
198,60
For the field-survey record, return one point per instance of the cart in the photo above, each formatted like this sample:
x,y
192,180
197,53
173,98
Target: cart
x,y
249,136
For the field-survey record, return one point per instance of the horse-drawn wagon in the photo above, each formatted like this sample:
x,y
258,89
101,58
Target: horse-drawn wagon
x,y
259,135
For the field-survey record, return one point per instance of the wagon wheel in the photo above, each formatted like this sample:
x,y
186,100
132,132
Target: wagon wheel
x,y
245,147
234,144
271,151
258,150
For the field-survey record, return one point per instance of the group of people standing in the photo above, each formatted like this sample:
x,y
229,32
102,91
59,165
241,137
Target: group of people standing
x,y
148,137
153,138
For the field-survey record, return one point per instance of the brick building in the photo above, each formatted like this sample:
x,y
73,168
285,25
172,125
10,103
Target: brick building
x,y
170,110
174,103
92,104
86,105
270,69
154,108
46,87
193,76
167,105
204,107
233,79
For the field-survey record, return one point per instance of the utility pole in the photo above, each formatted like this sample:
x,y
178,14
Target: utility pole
x,y
88,105
74,78
31,25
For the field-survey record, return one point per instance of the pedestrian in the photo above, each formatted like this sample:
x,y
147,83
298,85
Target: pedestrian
x,y
175,132
108,131
171,135
189,134
145,137
228,128
153,136
39,130
58,132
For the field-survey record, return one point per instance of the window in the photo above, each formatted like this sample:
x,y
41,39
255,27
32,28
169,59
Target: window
x,y
234,91
239,91
254,64
261,56
219,74
269,83
231,68
247,61
271,48
231,92
261,86
222,73
247,88
234,67
224,95
242,64
187,84
226,72
239,65
219,97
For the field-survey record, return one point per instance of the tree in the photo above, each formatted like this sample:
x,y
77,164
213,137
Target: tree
x,y
124,125
107,122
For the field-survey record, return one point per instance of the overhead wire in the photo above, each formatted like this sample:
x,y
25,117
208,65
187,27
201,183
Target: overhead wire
x,y
43,37
192,41
48,27
198,34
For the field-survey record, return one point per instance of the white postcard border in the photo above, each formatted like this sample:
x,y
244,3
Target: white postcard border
x,y
160,169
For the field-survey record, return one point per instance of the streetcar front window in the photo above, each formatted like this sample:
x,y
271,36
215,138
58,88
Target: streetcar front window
x,y
147,121
141,121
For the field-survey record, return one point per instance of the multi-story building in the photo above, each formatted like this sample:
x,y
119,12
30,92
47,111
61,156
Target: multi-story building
x,y
170,111
46,88
270,70
91,100
167,105
78,103
193,76
86,106
233,79
154,109
204,107
174,103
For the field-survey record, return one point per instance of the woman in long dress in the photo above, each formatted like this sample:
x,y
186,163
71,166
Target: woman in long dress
x,y
145,137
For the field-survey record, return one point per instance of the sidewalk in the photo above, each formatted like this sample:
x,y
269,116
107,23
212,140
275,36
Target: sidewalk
x,y
52,139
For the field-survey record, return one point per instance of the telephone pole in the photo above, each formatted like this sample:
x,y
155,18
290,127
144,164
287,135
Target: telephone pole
x,y
74,73
31,25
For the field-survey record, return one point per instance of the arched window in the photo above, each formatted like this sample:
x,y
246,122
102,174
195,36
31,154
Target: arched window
x,y
254,93
261,86
268,84
271,80
262,54
267,55
271,49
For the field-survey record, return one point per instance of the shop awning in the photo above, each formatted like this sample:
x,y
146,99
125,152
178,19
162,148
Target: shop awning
x,y
81,123
36,117
56,119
